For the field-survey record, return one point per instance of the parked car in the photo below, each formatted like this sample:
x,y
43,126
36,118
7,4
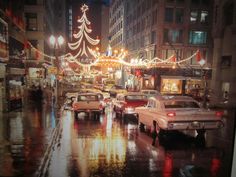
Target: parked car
x,y
88,103
116,89
177,113
151,93
125,104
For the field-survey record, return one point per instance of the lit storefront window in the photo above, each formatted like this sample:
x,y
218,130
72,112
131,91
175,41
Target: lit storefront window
x,y
171,86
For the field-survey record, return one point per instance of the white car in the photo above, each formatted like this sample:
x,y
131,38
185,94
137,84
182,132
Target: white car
x,y
88,103
177,113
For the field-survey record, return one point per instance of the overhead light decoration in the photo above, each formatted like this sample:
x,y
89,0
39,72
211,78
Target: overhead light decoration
x,y
82,52
85,53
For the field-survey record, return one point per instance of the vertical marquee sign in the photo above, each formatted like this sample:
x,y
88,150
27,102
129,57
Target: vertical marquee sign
x,y
3,41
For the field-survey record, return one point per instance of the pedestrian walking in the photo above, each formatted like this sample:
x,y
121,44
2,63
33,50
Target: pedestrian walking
x,y
154,133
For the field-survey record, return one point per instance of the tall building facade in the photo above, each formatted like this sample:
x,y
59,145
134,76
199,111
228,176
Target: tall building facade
x,y
116,24
165,28
12,79
224,54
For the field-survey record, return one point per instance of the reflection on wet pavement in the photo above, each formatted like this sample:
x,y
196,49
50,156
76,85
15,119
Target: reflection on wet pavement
x,y
106,147
23,139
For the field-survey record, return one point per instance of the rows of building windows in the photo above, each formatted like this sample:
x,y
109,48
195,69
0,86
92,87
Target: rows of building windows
x,y
177,15
174,15
141,41
117,40
115,6
199,16
176,36
116,17
31,21
116,28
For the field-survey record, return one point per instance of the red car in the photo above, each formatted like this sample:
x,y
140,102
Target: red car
x,y
126,103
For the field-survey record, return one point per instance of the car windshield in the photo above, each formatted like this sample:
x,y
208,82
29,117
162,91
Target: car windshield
x,y
135,97
87,98
181,104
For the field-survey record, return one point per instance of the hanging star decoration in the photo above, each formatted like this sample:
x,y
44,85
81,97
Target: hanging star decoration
x,y
84,8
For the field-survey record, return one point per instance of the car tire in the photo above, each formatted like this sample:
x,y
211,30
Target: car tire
x,y
141,127
96,115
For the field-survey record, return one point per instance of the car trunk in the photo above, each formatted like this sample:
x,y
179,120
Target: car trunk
x,y
195,114
88,105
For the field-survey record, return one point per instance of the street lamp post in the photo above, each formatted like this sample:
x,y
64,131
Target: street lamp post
x,y
56,42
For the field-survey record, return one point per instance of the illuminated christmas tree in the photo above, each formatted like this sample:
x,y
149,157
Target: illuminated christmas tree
x,y
82,46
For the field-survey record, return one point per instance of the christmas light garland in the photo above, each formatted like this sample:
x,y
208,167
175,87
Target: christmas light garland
x,y
95,58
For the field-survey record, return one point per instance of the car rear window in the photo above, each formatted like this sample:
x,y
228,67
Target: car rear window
x,y
135,97
181,104
87,98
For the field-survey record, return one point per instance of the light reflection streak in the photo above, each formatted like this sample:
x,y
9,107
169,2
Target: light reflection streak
x,y
53,121
107,146
60,156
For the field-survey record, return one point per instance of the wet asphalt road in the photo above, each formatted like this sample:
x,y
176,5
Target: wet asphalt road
x,y
34,142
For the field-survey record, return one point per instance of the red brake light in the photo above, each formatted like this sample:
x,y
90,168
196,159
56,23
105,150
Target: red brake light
x,y
171,114
219,113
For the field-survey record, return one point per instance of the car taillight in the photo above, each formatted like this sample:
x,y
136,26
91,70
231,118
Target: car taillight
x,y
75,106
171,114
219,113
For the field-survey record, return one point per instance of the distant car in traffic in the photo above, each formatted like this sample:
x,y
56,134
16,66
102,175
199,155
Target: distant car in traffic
x,y
177,113
125,104
90,103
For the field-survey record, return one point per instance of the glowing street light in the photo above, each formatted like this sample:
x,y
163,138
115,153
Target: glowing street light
x,y
56,42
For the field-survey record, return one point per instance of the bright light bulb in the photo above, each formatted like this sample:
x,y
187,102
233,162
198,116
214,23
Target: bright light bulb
x,y
60,40
52,40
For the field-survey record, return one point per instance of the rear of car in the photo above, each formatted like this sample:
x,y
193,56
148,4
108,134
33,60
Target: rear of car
x,y
88,103
130,102
178,113
187,115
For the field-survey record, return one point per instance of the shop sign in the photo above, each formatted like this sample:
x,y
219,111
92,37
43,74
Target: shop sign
x,y
36,72
4,55
52,70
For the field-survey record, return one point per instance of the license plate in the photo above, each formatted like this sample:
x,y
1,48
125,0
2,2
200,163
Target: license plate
x,y
195,124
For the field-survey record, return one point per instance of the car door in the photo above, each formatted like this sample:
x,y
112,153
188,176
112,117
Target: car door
x,y
145,113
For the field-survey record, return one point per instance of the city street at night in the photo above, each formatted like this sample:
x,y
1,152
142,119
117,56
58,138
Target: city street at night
x,y
117,88
38,143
